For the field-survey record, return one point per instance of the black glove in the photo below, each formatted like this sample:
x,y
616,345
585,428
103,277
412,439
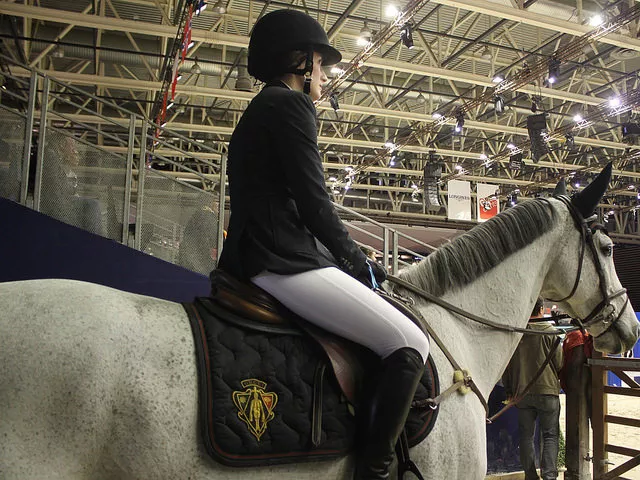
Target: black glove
x,y
372,268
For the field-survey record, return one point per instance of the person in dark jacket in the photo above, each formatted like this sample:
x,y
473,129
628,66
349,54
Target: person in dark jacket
x,y
542,400
285,236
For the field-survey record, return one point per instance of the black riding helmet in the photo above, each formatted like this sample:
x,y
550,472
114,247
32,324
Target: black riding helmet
x,y
284,31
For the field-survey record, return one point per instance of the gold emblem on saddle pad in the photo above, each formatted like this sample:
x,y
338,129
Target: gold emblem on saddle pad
x,y
255,406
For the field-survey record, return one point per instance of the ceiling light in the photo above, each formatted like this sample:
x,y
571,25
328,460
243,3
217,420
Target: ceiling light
x,y
511,146
578,118
483,156
337,70
486,53
202,5
58,52
195,68
498,102
391,11
365,36
596,20
436,116
459,120
420,99
219,8
458,167
498,78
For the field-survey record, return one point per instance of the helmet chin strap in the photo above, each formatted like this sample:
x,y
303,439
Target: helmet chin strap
x,y
306,71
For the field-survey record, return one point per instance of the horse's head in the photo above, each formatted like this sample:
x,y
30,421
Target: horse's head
x,y
584,280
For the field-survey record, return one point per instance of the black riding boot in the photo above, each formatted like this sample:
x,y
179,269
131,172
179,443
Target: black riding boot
x,y
387,411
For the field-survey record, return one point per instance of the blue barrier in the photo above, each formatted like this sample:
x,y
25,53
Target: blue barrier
x,y
33,245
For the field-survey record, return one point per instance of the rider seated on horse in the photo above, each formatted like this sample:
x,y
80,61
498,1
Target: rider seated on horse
x,y
285,236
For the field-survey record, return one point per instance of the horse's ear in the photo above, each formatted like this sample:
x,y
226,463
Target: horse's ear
x,y
561,188
587,200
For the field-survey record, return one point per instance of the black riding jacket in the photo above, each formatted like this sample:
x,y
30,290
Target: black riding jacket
x,y
282,219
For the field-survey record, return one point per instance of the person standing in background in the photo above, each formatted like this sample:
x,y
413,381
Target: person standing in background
x,y
541,401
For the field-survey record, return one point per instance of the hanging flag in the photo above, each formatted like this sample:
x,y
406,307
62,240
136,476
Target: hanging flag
x,y
174,75
459,200
186,37
487,201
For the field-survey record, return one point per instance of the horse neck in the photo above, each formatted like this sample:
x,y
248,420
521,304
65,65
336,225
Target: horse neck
x,y
505,295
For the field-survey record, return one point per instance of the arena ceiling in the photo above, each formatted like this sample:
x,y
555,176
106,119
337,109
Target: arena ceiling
x,y
116,48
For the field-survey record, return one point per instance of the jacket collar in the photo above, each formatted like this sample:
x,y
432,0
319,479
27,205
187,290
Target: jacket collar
x,y
277,83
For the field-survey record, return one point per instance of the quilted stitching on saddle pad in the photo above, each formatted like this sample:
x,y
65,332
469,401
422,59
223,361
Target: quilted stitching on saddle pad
x,y
256,393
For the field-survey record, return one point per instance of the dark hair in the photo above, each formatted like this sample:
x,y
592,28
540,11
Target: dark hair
x,y
536,308
285,63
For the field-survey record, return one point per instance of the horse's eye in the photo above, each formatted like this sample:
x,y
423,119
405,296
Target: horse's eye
x,y
607,250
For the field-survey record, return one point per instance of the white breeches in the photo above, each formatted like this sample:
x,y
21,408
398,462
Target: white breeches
x,y
338,303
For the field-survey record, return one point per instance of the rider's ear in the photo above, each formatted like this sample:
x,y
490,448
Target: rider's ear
x,y
587,200
561,188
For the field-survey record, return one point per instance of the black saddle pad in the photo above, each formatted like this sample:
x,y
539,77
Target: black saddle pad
x,y
268,396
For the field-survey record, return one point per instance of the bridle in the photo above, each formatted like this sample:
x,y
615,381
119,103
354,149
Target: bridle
x,y
603,316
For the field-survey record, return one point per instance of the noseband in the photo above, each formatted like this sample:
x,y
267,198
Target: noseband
x,y
605,314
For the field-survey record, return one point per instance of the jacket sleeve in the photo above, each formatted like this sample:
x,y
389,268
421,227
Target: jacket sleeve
x,y
293,128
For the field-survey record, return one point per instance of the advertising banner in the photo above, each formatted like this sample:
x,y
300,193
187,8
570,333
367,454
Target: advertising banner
x,y
487,204
459,200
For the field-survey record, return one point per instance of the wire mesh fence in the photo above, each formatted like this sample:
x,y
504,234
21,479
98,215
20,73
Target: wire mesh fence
x,y
179,222
12,134
82,185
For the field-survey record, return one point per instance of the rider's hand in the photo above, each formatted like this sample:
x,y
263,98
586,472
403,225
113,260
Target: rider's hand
x,y
372,274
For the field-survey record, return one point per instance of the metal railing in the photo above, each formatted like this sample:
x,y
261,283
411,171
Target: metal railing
x,y
123,177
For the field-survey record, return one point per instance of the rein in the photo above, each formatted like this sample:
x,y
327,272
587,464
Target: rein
x,y
466,380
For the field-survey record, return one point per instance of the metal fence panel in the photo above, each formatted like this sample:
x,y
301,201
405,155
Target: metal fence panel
x,y
179,222
12,134
83,185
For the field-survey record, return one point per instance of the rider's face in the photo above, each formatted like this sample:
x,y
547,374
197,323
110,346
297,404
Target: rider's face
x,y
318,77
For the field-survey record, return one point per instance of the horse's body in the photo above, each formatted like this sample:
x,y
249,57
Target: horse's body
x,y
101,384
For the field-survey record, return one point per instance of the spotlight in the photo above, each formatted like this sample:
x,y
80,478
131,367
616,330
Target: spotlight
x,y
365,36
515,161
498,78
537,126
394,158
554,70
615,102
483,157
498,101
333,100
390,145
510,146
406,36
436,116
571,142
578,118
337,70
459,120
